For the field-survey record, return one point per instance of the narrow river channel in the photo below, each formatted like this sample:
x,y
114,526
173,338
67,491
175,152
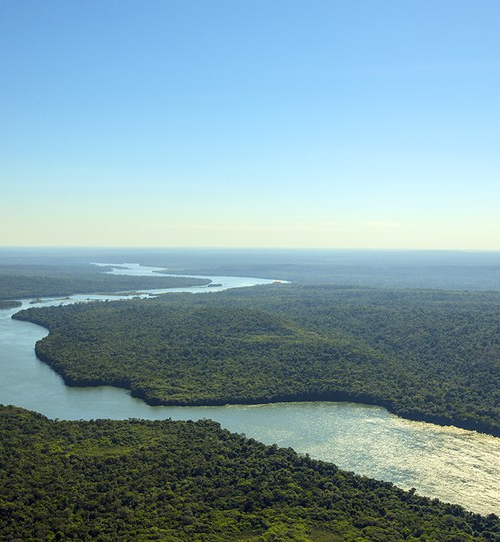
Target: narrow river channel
x,y
448,463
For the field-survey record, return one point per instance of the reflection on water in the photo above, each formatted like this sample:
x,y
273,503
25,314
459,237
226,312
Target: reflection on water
x,y
451,464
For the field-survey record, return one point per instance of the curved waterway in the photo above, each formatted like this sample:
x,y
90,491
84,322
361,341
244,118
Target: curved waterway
x,y
448,463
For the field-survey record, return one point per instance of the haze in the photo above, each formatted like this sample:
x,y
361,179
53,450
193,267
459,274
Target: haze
x,y
251,124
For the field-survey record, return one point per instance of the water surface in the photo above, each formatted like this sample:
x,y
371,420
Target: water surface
x,y
451,464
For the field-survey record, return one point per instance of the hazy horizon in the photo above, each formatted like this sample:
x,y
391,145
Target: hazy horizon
x,y
103,248
318,125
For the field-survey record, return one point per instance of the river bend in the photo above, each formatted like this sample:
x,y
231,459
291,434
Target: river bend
x,y
452,464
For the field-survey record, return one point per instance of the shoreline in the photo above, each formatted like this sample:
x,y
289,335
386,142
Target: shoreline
x,y
338,396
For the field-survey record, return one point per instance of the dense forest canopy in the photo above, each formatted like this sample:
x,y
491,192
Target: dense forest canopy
x,y
431,355
424,354
110,480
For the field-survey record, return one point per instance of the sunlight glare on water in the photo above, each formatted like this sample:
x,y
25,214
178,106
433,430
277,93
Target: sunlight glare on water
x,y
451,464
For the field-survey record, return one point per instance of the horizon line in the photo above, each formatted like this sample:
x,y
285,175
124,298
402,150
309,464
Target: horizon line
x,y
239,248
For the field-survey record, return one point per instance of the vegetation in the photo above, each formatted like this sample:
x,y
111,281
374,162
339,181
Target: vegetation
x,y
110,480
446,270
33,281
9,304
428,355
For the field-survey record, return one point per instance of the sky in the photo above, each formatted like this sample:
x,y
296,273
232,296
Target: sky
x,y
250,123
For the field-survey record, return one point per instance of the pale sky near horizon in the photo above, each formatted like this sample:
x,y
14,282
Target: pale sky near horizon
x,y
263,123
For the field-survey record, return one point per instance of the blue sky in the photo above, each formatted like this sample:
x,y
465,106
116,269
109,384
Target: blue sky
x,y
250,123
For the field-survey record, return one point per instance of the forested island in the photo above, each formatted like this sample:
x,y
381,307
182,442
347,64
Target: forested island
x,y
108,480
426,355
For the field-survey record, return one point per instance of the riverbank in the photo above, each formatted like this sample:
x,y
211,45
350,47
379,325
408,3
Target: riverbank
x,y
278,344
10,303
333,396
359,438
184,480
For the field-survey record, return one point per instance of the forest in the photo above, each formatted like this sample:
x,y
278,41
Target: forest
x,y
424,354
445,270
9,304
108,480
25,281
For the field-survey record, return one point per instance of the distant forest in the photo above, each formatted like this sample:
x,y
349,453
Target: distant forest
x,y
9,304
449,270
424,354
428,355
33,281
107,480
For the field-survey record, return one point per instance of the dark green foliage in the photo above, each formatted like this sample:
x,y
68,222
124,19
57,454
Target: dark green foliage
x,y
423,354
183,481
23,281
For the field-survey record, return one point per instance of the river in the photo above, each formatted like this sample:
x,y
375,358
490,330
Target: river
x,y
451,464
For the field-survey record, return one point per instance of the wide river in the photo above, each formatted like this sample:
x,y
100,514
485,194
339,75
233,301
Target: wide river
x,y
451,464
